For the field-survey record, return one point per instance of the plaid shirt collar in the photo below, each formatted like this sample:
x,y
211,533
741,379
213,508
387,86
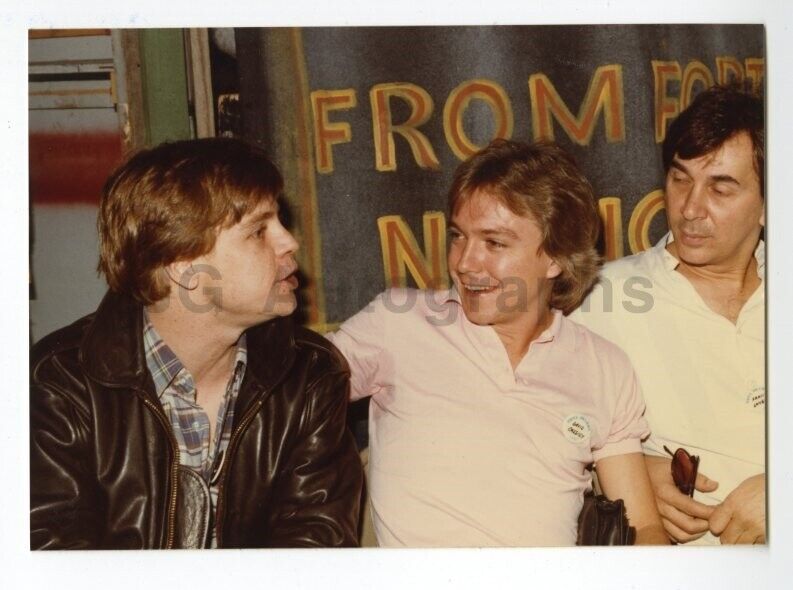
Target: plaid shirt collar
x,y
166,368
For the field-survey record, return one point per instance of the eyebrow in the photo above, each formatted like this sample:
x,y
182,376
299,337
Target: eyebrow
x,y
713,177
263,216
496,231
499,231
725,178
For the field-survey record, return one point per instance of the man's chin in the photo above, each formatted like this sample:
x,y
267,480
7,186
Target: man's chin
x,y
285,308
694,256
478,316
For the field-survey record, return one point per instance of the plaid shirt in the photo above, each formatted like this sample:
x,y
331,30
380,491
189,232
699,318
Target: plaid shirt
x,y
177,392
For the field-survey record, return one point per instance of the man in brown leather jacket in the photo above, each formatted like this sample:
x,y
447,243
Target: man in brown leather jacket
x,y
188,410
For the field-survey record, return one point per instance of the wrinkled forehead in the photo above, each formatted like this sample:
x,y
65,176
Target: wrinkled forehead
x,y
738,152
735,157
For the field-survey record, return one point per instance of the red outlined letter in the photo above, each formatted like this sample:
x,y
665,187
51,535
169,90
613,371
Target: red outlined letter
x,y
326,134
383,126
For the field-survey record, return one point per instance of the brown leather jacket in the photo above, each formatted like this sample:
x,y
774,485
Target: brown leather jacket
x,y
104,467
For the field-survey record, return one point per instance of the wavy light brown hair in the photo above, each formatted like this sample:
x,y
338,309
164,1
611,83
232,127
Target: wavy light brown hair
x,y
168,203
543,182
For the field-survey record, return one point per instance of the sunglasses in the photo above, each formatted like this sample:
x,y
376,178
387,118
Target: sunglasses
x,y
684,470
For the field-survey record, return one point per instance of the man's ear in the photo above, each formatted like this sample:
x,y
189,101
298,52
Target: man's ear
x,y
554,270
182,274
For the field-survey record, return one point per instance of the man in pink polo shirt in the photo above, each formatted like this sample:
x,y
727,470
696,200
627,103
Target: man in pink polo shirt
x,y
487,404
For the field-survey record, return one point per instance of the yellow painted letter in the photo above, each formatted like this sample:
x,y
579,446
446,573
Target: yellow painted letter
x,y
401,252
666,107
726,65
695,72
494,97
611,213
755,69
326,133
383,126
604,93
642,216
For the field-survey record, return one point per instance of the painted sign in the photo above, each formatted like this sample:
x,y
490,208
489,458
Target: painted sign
x,y
369,123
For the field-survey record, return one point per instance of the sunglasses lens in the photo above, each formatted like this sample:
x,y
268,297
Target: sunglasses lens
x,y
684,471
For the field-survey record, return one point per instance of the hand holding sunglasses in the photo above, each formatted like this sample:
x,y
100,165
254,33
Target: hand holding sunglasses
x,y
684,470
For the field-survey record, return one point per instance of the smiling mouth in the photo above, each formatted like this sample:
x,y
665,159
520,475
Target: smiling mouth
x,y
478,289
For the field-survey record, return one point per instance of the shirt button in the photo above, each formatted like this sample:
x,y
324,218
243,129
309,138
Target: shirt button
x,y
196,424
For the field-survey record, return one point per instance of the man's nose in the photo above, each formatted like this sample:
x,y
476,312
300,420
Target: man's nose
x,y
469,259
287,244
694,204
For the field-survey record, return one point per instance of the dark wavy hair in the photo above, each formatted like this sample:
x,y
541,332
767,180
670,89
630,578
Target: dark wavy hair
x,y
715,116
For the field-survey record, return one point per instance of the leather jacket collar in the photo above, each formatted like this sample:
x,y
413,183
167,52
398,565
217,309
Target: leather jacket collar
x,y
112,350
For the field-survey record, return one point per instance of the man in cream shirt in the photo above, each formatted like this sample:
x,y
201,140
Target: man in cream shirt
x,y
690,313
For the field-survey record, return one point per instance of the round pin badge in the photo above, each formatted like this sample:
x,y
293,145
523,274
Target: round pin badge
x,y
576,429
756,397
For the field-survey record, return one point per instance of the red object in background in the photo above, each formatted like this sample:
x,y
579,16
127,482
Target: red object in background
x,y
70,168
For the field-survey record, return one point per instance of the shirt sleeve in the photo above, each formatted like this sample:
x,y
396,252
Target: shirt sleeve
x,y
361,339
654,446
628,425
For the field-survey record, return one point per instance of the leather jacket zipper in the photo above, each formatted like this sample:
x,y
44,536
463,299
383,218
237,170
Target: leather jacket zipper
x,y
235,436
174,473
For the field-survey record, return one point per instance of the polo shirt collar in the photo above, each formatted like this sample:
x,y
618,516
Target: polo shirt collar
x,y
554,332
759,254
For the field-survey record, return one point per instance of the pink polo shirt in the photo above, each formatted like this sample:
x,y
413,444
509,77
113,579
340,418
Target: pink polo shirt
x,y
464,451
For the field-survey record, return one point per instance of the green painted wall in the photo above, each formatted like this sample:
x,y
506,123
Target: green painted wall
x,y
164,82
